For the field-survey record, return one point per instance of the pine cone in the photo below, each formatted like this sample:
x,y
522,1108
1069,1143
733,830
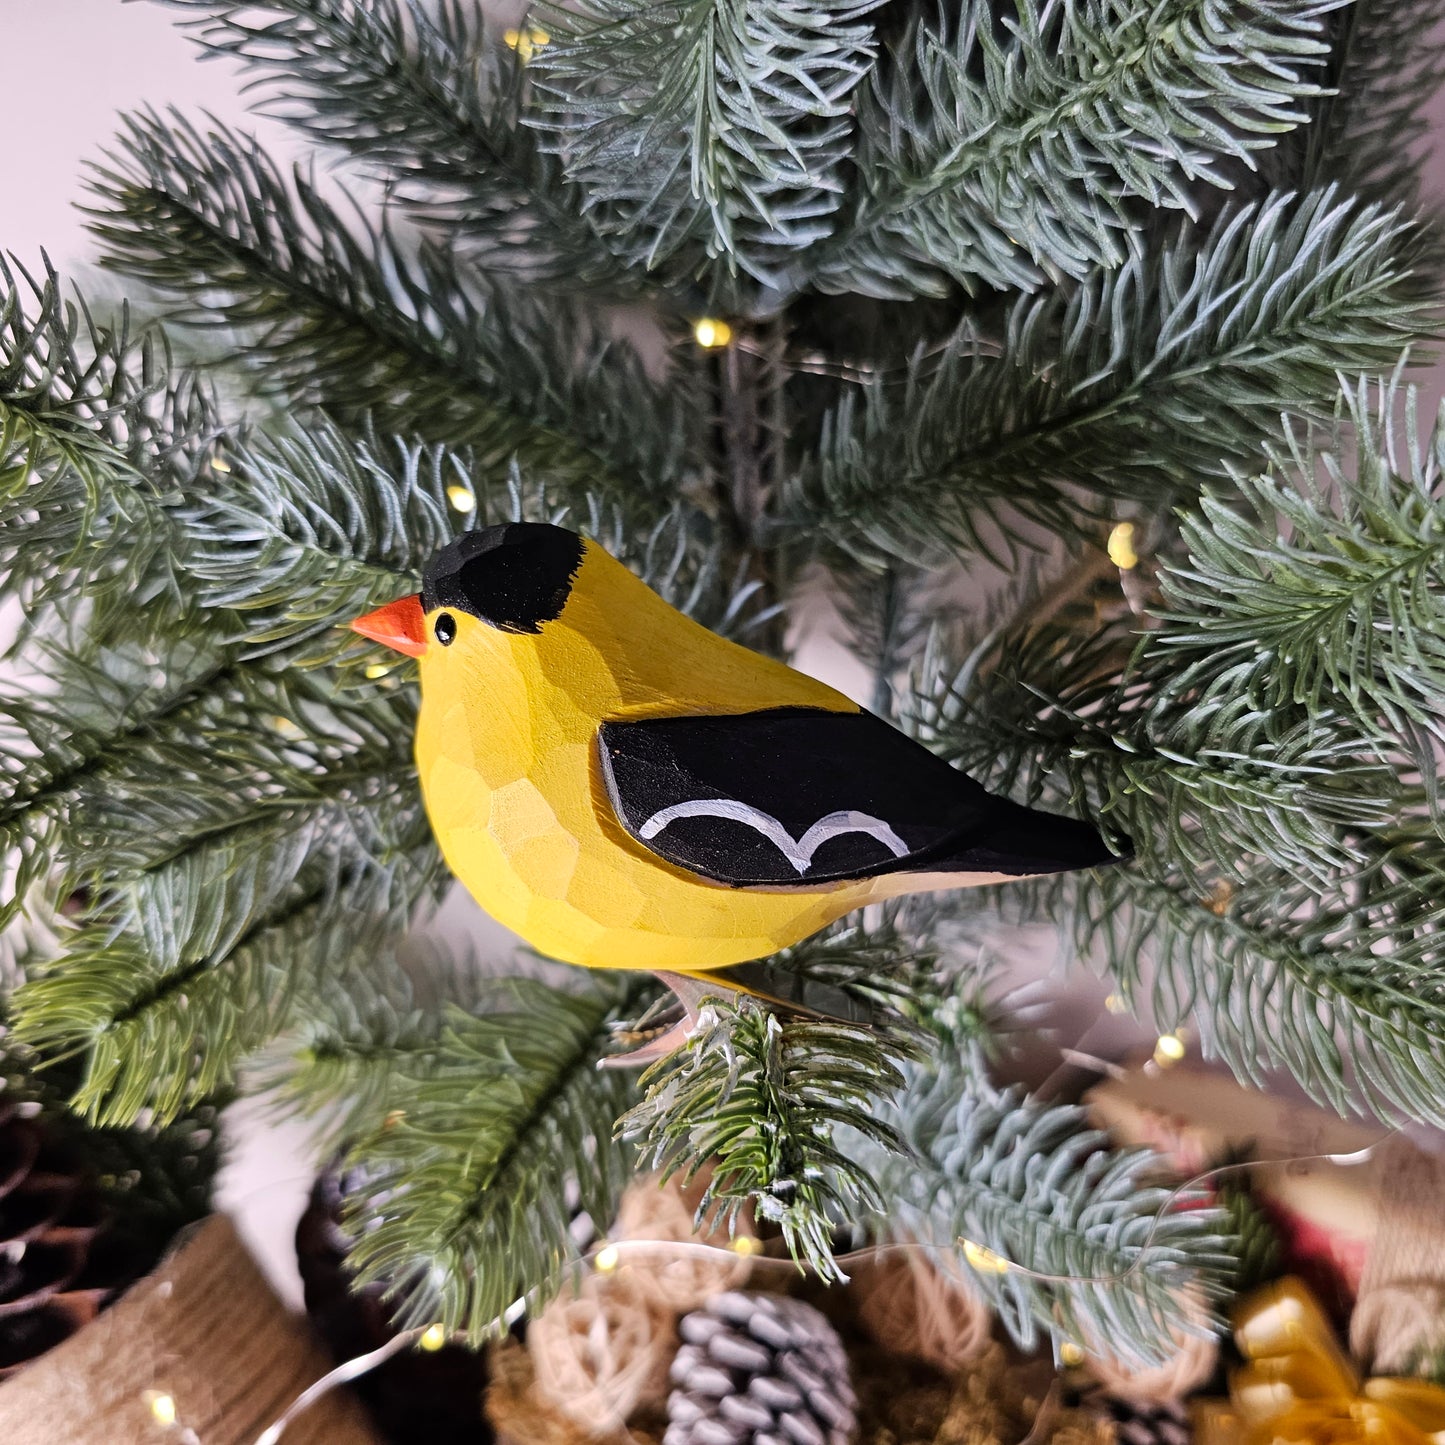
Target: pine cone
x,y
1146,1424
415,1398
759,1369
60,1259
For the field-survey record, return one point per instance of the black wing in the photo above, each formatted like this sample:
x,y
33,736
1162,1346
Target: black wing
x,y
801,795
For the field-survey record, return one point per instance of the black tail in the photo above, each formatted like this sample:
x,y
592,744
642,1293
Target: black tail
x,y
1020,841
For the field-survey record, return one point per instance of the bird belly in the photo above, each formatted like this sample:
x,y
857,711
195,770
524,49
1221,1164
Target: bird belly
x,y
525,824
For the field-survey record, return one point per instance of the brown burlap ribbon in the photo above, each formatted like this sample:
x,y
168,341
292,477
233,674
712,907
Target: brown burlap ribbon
x,y
201,1352
1399,1318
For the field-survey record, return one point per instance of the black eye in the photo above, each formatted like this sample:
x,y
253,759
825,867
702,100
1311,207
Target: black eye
x,y
445,628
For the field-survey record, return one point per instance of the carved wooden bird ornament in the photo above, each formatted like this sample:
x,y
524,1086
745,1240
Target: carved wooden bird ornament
x,y
625,789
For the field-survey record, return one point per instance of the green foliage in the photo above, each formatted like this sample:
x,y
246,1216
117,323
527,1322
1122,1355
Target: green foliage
x,y
1350,611
1139,383
155,1179
1269,748
414,92
769,1104
95,426
1368,125
1344,993
715,125
490,1124
1096,1250
368,322
1001,149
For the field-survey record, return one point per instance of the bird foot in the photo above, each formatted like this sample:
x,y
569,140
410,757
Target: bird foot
x,y
788,992
688,994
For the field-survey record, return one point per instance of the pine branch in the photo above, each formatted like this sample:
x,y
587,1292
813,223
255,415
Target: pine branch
x,y
1000,151
704,126
414,92
1040,1191
160,1041
155,1179
766,1103
1198,776
1346,996
341,315
1138,383
306,531
464,1207
95,429
1349,611
1269,750
1369,126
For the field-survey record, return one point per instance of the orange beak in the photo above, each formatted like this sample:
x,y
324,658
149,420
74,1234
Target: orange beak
x,y
400,625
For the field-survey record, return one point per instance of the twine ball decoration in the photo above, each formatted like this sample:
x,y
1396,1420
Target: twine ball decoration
x,y
1195,1358
918,1302
680,1280
603,1350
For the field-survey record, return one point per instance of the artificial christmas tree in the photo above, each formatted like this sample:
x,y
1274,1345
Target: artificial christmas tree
x,y
1079,303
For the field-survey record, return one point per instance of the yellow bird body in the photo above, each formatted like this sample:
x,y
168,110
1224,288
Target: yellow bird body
x,y
625,789
506,748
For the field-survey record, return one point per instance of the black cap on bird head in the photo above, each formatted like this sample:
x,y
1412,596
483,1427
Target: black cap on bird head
x,y
513,577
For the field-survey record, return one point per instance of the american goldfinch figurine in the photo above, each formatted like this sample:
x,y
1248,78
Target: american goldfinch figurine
x,y
625,789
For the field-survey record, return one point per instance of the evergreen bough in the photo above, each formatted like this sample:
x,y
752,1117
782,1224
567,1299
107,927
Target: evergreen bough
x,y
999,278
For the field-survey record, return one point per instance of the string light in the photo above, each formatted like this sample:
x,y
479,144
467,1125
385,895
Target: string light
x,y
432,1338
1116,1003
378,669
607,1259
220,464
711,334
1071,1354
526,42
1168,1050
1220,897
1121,547
162,1407
979,1257
985,1261
463,499
746,1246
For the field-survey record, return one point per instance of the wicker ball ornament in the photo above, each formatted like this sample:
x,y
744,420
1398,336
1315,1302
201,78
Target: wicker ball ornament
x,y
681,1279
1193,1362
601,1351
919,1302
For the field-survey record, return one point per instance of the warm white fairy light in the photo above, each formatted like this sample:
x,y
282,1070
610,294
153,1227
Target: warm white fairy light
x,y
984,1260
378,670
1121,547
220,464
162,1407
1071,1353
1168,1050
746,1246
463,499
433,1337
607,1258
526,42
711,334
